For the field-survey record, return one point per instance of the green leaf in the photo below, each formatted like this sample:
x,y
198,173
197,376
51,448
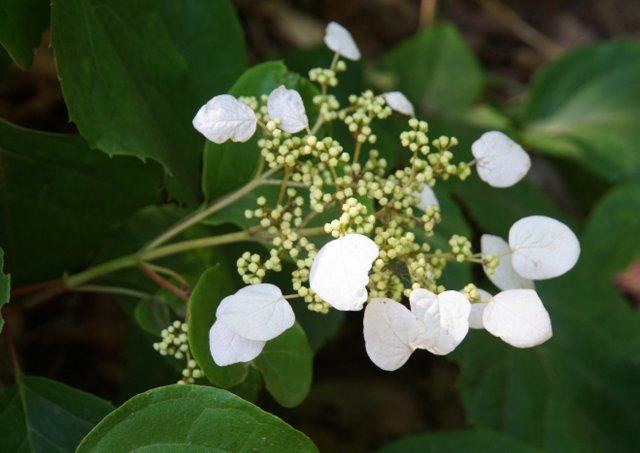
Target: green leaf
x,y
476,440
5,287
585,106
59,199
40,415
22,23
192,418
5,63
317,326
612,229
134,75
212,287
576,392
436,70
230,165
286,364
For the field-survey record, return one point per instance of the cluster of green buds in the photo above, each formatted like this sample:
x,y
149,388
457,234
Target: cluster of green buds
x,y
175,343
378,223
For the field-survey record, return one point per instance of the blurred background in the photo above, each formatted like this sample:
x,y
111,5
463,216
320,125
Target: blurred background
x,y
88,341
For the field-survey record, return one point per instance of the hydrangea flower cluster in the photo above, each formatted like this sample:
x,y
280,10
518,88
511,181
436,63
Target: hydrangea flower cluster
x,y
379,223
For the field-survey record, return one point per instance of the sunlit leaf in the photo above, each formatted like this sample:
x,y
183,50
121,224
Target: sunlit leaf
x,y
135,74
585,106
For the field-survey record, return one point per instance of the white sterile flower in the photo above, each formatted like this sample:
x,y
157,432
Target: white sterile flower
x,y
542,247
392,333
427,198
340,271
224,118
227,347
477,310
246,320
338,39
500,161
286,105
399,102
446,317
505,276
518,317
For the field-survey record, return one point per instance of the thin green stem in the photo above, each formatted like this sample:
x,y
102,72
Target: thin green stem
x,y
116,290
211,209
132,260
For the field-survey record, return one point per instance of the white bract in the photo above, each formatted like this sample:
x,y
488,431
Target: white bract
x,y
392,333
518,317
477,310
224,118
399,102
286,105
446,317
340,271
246,320
338,39
542,247
505,276
427,198
500,161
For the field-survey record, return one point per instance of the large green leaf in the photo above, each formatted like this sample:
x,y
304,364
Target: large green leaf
x,y
585,106
577,391
41,415
135,73
192,418
5,288
436,70
477,440
212,287
59,199
612,229
286,364
230,165
21,25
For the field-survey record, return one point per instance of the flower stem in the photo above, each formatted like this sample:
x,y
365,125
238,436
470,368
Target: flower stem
x,y
200,216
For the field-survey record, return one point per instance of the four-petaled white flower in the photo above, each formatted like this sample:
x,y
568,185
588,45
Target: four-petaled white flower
x,y
445,315
518,317
338,39
399,102
427,198
246,320
286,105
224,118
340,271
500,161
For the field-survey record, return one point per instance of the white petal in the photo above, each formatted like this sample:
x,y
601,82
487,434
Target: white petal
x,y
500,161
427,198
227,347
256,312
340,271
287,106
476,314
224,118
542,247
446,317
505,276
392,333
399,102
518,317
338,39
